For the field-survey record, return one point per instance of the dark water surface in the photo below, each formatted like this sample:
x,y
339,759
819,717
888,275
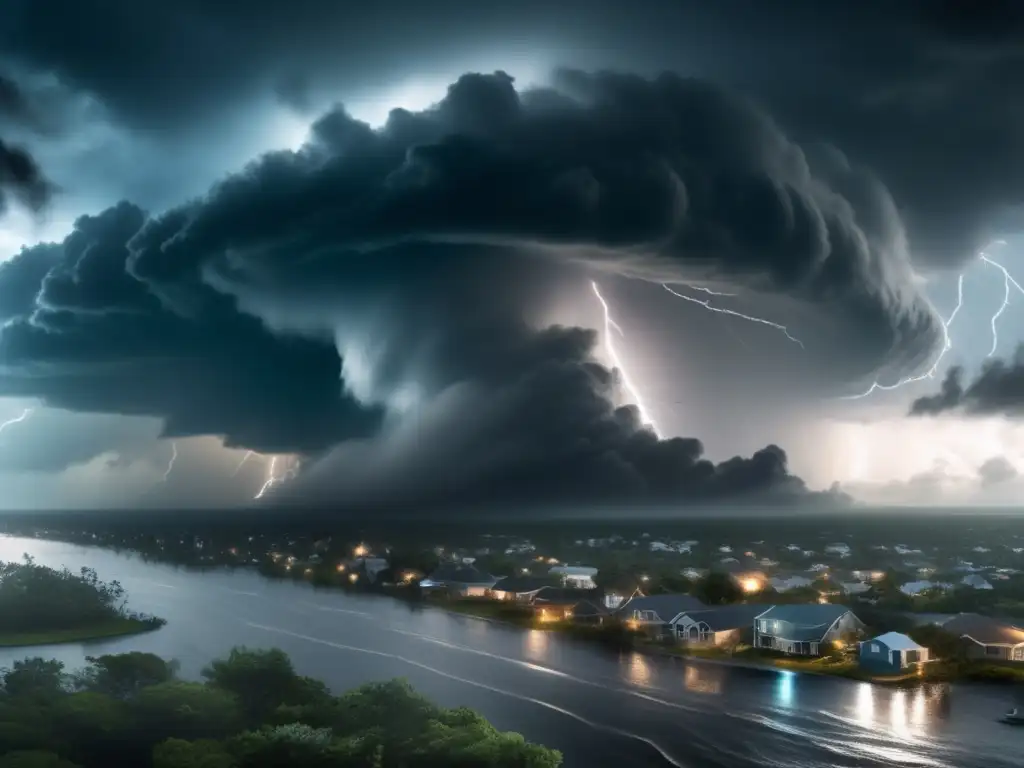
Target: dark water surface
x,y
598,707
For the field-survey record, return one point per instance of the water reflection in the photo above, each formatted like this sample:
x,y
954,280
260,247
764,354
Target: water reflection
x,y
536,642
703,679
638,670
784,689
864,709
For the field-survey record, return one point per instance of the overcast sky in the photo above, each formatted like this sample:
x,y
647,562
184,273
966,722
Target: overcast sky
x,y
225,259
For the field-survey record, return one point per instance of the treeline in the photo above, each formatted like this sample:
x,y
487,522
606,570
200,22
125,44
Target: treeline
x,y
252,711
34,598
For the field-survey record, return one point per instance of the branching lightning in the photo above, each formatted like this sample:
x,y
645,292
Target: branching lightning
x,y
248,455
273,477
17,419
706,303
1007,282
947,343
609,344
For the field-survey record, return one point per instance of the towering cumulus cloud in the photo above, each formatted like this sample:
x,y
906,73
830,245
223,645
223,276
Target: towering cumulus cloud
x,y
373,300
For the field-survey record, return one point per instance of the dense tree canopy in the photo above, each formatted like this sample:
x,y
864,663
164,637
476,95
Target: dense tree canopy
x,y
34,598
253,711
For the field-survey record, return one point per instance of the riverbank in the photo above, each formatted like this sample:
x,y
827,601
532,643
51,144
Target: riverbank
x,y
120,627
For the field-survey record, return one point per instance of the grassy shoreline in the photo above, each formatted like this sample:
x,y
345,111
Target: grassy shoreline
x,y
120,627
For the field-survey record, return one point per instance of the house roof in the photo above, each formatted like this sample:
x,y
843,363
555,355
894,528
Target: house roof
x,y
894,641
460,574
727,616
574,570
810,615
666,606
984,630
521,584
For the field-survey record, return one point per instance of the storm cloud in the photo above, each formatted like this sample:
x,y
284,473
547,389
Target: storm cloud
x,y
997,389
329,300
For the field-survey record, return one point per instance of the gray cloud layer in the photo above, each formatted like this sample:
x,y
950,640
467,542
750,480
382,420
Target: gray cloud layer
x,y
998,389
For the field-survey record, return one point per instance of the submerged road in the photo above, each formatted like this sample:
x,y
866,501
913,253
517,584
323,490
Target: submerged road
x,y
598,707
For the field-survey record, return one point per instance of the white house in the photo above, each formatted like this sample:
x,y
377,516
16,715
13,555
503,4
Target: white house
x,y
786,583
579,576
843,550
976,581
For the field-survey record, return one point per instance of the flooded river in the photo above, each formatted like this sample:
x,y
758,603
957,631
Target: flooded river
x,y
598,707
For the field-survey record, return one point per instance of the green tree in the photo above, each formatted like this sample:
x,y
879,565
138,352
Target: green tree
x,y
460,738
284,746
942,645
718,589
123,675
186,711
34,677
262,680
91,727
205,753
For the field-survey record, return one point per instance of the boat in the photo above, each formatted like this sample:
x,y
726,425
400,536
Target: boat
x,y
1013,717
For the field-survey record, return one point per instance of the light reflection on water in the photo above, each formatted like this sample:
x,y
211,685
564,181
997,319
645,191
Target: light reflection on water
x,y
637,670
784,689
536,643
705,679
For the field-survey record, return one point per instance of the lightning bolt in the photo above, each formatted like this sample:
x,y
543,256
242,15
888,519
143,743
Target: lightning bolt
x,y
947,343
17,419
170,464
706,303
248,455
609,345
273,478
1008,281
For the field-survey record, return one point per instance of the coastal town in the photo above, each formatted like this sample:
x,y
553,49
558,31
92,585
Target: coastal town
x,y
884,612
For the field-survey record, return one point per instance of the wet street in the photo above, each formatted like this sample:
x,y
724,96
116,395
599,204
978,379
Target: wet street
x,y
598,707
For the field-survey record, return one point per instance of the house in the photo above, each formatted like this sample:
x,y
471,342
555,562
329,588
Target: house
x,y
803,629
786,582
987,638
590,611
459,580
371,567
579,576
519,588
559,603
890,653
868,574
723,626
656,612
975,581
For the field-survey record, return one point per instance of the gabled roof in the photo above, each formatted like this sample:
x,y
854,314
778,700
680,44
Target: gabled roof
x,y
984,630
809,615
727,616
894,641
519,584
666,606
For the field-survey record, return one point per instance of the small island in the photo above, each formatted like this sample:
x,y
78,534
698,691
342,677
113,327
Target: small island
x,y
252,710
44,606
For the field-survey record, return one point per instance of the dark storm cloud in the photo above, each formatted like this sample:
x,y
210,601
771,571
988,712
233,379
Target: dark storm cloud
x,y
414,249
22,180
549,434
998,389
658,178
96,340
934,109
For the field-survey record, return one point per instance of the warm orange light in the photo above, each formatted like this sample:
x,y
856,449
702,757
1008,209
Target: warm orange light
x,y
353,577
632,624
360,551
308,571
751,585
341,567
